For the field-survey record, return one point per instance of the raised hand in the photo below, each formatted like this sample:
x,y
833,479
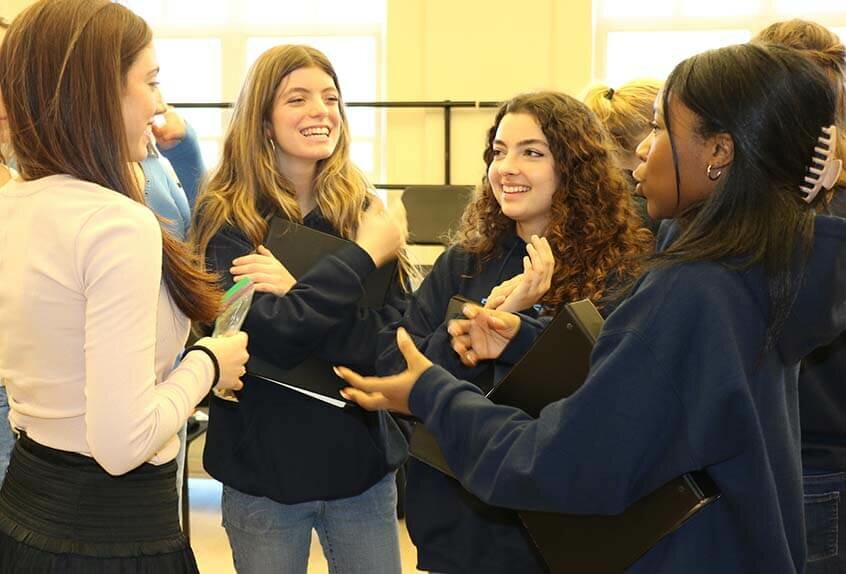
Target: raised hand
x,y
533,283
267,273
483,335
382,233
387,393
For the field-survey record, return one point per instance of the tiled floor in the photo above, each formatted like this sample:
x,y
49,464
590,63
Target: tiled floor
x,y
208,538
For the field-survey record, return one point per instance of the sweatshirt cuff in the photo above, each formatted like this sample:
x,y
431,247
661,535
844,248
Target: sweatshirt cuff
x,y
357,260
424,394
526,335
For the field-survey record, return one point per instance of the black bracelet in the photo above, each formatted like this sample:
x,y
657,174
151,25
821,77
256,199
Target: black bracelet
x,y
208,352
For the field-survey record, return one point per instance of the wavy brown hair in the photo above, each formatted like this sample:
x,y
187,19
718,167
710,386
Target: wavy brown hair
x,y
594,231
247,188
66,62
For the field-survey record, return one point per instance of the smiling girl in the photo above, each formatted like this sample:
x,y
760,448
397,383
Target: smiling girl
x,y
552,222
697,369
290,463
97,306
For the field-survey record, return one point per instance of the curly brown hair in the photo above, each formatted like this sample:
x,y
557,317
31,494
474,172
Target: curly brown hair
x,y
594,231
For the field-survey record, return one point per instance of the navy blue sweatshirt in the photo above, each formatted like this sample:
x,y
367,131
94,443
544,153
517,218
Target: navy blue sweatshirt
x,y
279,443
678,382
822,394
452,529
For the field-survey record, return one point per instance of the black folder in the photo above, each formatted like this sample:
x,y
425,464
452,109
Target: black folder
x,y
554,367
298,248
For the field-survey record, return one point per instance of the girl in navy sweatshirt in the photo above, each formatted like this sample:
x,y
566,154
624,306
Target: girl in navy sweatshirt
x,y
551,173
822,392
697,368
290,463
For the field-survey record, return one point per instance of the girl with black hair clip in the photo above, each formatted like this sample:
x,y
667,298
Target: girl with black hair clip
x,y
697,369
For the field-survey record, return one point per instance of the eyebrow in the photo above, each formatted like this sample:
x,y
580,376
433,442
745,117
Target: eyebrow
x,y
299,90
154,71
524,142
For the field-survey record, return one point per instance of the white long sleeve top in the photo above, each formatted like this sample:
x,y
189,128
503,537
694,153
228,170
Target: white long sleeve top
x,y
88,332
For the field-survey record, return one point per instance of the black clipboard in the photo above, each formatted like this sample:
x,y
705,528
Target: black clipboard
x,y
299,247
553,368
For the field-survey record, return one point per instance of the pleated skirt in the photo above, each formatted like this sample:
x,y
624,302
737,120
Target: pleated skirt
x,y
61,512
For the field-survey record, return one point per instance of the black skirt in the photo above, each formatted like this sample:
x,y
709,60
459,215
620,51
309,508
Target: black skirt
x,y
61,512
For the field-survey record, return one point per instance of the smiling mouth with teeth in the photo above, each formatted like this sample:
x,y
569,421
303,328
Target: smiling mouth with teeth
x,y
515,189
308,132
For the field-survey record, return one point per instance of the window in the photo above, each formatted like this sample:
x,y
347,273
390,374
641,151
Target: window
x,y
205,48
647,39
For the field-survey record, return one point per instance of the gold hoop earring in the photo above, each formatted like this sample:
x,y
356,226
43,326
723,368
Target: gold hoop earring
x,y
715,175
272,145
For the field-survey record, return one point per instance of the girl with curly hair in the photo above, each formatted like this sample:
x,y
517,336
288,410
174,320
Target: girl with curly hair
x,y
553,217
697,370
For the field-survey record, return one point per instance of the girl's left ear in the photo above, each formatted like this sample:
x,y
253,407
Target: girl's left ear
x,y
722,150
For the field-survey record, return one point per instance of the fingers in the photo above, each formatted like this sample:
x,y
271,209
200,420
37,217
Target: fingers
x,y
262,250
366,384
458,327
369,401
494,301
413,357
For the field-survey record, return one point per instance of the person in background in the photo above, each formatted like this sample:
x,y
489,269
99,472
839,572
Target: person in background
x,y
626,112
97,305
552,222
697,369
822,393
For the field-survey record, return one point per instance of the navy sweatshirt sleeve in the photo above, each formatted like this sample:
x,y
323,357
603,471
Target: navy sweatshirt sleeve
x,y
287,329
424,320
523,462
628,429
352,342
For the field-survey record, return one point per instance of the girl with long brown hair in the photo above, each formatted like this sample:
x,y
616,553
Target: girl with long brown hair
x,y
551,222
290,463
97,305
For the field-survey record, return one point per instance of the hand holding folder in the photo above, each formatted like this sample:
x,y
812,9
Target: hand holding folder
x,y
299,248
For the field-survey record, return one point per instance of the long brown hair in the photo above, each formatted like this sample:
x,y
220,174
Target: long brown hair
x,y
593,229
4,152
66,63
827,51
247,187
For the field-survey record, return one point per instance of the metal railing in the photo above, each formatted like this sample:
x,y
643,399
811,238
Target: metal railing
x,y
446,105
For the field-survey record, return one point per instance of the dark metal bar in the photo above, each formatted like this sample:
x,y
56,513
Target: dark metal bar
x,y
447,144
445,105
421,104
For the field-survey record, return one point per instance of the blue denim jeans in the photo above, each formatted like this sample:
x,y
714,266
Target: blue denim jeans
x,y
358,534
7,436
825,522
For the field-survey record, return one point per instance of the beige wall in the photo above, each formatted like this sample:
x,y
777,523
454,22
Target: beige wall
x,y
478,50
10,8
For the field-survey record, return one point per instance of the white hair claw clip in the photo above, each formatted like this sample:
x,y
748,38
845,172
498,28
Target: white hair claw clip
x,y
824,169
